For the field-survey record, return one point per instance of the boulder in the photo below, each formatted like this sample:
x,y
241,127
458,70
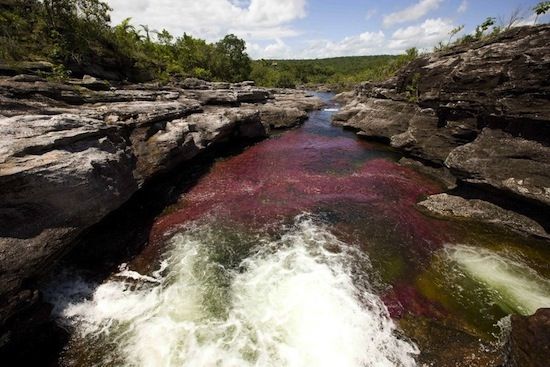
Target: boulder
x,y
505,162
449,206
529,341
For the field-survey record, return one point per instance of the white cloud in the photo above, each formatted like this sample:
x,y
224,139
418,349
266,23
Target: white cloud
x,y
424,35
267,25
463,6
212,19
411,13
368,43
276,50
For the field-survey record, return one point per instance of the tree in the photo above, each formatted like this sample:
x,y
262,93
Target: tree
x,y
454,32
483,27
234,64
541,8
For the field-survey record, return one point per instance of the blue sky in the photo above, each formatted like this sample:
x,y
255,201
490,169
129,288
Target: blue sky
x,y
321,28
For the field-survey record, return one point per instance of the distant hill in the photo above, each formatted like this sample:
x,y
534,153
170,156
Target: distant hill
x,y
336,71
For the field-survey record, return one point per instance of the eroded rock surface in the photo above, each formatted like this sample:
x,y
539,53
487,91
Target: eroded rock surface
x,y
481,110
450,206
71,153
529,340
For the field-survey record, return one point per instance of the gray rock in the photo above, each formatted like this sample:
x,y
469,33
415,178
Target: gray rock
x,y
194,83
277,116
505,162
92,83
58,176
436,108
444,205
26,78
27,67
528,344
441,174
144,112
344,97
69,156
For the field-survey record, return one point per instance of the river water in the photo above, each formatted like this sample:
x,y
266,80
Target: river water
x,y
305,250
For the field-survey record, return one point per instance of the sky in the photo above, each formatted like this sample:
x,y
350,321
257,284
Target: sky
x,y
298,29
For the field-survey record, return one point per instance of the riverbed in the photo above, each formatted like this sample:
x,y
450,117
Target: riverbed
x,y
305,249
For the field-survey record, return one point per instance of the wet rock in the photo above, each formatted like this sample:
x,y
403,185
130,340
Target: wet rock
x,y
449,206
529,341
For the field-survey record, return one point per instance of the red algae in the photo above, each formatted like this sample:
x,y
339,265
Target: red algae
x,y
295,173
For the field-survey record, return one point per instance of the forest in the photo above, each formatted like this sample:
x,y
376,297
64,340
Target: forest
x,y
78,38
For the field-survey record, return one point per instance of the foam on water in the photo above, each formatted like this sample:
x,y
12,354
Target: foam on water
x,y
296,301
513,284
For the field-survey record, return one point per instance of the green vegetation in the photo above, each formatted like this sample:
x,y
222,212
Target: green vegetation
x,y
76,36
540,9
338,72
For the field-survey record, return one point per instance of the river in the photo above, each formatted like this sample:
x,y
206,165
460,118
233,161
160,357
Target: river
x,y
305,249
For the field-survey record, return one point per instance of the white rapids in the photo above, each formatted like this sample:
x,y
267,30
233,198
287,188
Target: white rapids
x,y
513,285
292,302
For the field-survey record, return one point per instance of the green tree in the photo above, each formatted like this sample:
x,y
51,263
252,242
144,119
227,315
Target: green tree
x,y
234,63
483,27
540,9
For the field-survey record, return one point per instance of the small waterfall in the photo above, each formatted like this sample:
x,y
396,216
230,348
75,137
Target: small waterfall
x,y
302,299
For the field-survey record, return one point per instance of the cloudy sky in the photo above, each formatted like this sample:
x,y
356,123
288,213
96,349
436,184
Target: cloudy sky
x,y
319,28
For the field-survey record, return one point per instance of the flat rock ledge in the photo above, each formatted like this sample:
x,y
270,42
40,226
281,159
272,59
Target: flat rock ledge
x,y
449,206
73,152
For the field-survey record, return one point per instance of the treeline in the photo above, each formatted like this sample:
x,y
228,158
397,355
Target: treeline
x,y
78,38
76,35
338,72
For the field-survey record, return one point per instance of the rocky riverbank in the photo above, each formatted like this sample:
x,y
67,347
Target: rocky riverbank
x,y
73,152
477,117
478,112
